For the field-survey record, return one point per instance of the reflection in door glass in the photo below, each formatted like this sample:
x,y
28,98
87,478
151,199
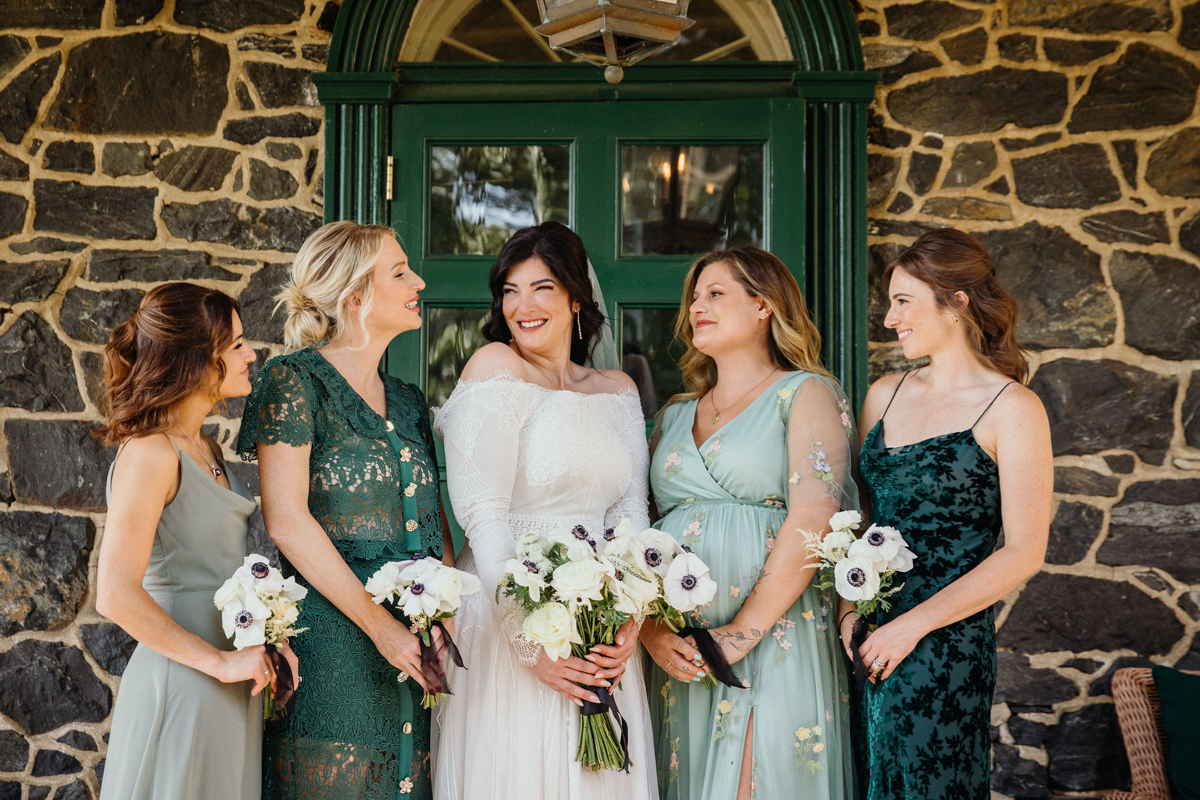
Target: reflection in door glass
x,y
480,194
689,199
650,354
453,335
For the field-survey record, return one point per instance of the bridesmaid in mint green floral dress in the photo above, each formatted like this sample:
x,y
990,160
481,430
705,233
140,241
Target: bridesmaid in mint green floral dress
x,y
778,461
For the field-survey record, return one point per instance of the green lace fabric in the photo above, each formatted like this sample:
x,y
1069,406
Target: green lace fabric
x,y
356,732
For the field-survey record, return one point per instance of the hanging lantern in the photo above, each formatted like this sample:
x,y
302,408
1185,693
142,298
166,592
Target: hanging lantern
x,y
613,33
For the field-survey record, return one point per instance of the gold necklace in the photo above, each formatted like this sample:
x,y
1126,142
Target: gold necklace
x,y
712,398
212,465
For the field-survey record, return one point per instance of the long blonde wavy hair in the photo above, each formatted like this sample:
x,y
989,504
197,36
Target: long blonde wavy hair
x,y
335,262
794,343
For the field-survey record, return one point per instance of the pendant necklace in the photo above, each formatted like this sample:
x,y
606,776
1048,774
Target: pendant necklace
x,y
212,465
712,398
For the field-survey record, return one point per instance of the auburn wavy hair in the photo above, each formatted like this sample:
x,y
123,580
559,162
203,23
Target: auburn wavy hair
x,y
794,343
169,349
951,261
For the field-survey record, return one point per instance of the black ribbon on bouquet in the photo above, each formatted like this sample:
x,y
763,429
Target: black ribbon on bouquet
x,y
609,703
285,683
713,656
858,636
431,664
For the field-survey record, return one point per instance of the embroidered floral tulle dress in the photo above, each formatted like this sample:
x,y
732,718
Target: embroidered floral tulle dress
x,y
726,500
356,732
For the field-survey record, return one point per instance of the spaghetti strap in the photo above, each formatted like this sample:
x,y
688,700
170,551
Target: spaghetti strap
x,y
895,392
994,399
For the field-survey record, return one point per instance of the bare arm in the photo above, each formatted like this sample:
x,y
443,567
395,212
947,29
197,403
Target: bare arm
x,y
1026,466
144,482
284,476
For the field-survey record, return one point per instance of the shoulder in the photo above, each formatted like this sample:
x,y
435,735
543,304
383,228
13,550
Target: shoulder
x,y
490,360
614,381
1018,404
150,458
880,392
291,369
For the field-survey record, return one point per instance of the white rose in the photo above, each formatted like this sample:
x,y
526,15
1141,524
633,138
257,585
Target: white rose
x,y
417,570
856,578
382,585
687,584
229,592
844,520
553,627
448,585
578,583
835,543
638,589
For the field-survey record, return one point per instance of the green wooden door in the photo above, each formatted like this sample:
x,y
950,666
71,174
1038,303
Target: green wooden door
x,y
648,185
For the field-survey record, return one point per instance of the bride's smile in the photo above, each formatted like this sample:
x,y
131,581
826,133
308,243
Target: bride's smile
x,y
537,309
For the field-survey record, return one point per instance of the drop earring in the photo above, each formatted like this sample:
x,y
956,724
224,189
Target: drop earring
x,y
579,326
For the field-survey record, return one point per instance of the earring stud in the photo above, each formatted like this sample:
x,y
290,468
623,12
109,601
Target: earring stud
x,y
762,315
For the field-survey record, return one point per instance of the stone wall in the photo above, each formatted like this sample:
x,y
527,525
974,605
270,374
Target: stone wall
x,y
1065,135
140,141
153,140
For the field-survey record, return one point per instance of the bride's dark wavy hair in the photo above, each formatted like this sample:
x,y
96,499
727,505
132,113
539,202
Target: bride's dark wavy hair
x,y
562,251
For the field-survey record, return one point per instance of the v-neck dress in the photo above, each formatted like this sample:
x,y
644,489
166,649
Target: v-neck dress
x,y
177,733
356,732
727,500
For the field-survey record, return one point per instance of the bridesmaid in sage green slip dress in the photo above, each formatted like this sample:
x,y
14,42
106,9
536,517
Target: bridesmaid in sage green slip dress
x,y
743,465
954,451
188,718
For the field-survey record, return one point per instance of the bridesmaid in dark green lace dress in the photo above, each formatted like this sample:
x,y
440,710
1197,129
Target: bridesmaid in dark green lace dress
x,y
349,482
964,450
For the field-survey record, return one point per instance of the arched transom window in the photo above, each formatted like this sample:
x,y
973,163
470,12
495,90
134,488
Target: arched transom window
x,y
503,30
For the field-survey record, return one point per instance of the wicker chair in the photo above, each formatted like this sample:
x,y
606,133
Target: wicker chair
x,y
1140,713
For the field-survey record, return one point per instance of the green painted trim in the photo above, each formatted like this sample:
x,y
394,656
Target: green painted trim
x,y
355,87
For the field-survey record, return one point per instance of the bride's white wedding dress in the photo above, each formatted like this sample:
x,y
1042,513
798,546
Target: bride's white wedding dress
x,y
520,458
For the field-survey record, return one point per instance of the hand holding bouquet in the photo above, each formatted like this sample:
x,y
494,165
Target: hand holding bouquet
x,y
861,569
427,592
579,588
259,606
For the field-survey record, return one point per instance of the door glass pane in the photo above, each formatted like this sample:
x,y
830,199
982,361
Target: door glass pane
x,y
650,354
453,335
480,194
689,199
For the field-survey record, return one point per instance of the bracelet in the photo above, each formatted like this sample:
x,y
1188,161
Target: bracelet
x,y
842,618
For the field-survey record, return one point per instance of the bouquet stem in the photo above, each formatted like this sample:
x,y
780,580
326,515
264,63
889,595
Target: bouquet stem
x,y
269,709
599,746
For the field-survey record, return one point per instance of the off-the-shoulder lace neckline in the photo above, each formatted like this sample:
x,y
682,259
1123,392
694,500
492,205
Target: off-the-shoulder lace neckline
x,y
511,377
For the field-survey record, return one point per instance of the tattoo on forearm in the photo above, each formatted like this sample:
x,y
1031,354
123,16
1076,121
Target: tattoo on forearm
x,y
737,640
762,576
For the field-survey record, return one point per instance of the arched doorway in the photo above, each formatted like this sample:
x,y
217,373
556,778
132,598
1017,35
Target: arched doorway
x,y
752,131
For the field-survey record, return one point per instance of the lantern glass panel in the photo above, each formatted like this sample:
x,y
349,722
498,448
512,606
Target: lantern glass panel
x,y
689,199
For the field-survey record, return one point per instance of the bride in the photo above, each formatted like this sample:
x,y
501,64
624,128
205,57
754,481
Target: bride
x,y
536,439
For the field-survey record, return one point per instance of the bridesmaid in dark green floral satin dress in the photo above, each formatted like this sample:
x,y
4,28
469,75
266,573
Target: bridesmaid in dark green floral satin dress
x,y
964,451
349,482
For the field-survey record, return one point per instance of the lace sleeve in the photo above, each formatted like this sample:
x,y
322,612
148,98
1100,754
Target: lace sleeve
x,y
632,504
279,409
820,440
480,427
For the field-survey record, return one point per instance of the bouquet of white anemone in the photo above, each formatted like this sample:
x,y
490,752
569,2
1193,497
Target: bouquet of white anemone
x,y
579,588
861,569
427,592
259,606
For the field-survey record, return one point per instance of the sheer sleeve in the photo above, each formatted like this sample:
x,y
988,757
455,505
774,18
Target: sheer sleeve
x,y
480,426
632,505
279,409
820,441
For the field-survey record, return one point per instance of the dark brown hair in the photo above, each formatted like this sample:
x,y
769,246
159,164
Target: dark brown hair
x,y
794,343
169,349
950,261
562,251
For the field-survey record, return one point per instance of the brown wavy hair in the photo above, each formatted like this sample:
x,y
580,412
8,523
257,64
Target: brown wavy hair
x,y
169,349
949,261
794,342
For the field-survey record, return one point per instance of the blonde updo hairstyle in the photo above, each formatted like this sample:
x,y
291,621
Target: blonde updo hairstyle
x,y
335,262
